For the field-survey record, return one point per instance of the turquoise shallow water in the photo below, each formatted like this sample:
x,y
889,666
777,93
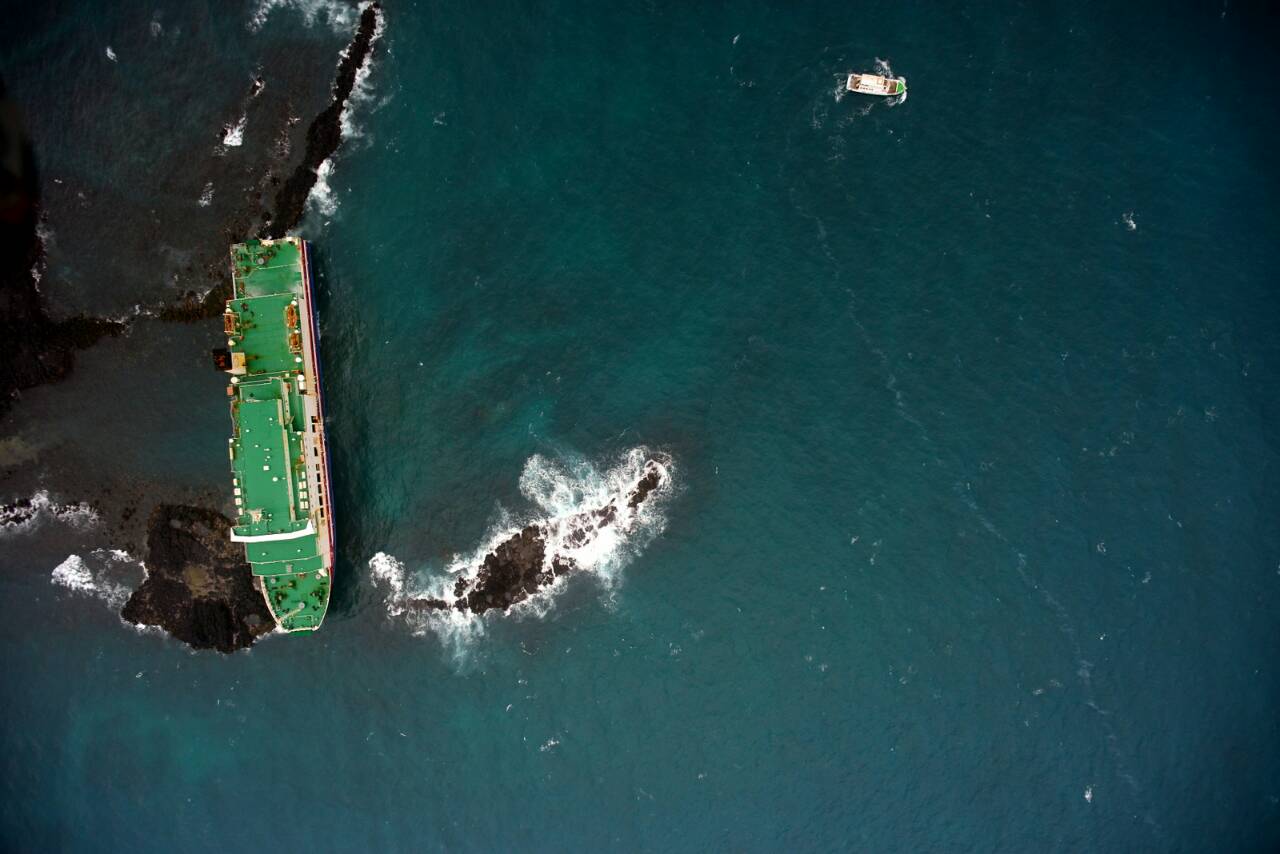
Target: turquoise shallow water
x,y
972,541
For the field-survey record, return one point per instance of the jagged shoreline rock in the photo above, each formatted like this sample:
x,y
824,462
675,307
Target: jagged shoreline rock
x,y
198,587
325,133
520,565
324,136
36,349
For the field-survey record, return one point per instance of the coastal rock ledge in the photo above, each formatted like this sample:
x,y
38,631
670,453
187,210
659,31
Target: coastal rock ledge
x,y
198,588
537,555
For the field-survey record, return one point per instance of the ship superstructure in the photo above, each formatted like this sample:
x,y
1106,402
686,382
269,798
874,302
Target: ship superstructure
x,y
279,461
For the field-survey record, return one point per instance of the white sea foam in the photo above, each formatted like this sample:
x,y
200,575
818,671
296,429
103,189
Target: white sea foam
x,y
338,15
233,135
206,195
321,195
560,490
101,576
388,572
1129,222
24,516
841,89
361,89
111,54
885,70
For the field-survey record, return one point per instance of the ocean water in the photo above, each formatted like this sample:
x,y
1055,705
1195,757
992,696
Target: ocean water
x,y
971,540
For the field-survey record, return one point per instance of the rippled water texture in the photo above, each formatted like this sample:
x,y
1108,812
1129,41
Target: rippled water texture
x,y
970,538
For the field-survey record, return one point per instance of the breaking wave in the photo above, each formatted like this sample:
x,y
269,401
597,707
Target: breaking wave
x,y
104,575
560,490
233,134
25,515
322,197
361,89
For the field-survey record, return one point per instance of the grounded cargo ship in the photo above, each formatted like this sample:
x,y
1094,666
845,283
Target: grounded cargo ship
x,y
279,463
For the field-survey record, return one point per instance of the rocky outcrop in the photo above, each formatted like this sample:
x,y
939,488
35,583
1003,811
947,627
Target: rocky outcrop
x,y
37,349
198,587
325,133
534,557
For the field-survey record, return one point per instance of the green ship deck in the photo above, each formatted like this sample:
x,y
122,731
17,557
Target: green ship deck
x,y
278,455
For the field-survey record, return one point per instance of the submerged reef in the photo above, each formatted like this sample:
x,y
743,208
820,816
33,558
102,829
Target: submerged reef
x,y
34,348
538,554
198,586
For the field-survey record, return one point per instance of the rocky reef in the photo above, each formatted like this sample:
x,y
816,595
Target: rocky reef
x,y
324,136
36,348
198,587
325,133
538,554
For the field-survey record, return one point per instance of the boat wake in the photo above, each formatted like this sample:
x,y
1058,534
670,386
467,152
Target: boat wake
x,y
884,70
840,90
587,521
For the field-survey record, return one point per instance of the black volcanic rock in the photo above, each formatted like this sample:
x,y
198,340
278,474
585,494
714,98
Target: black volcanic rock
x,y
509,573
518,566
647,484
34,347
198,588
325,133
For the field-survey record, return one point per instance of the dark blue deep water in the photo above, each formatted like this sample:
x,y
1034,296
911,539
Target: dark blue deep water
x,y
972,402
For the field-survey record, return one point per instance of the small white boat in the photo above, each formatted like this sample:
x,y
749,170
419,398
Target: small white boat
x,y
874,84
